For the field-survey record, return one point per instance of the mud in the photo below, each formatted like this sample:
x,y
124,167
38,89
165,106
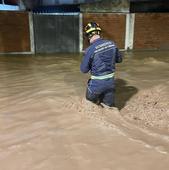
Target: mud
x,y
150,108
46,123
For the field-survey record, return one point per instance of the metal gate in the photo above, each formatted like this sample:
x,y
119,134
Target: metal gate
x,y
56,33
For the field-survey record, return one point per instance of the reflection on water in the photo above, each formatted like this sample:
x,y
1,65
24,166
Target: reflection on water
x,y
39,132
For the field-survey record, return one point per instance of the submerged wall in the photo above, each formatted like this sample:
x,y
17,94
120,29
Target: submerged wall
x,y
129,31
151,31
14,32
113,26
133,31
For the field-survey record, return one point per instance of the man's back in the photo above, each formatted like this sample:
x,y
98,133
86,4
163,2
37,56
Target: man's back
x,y
101,57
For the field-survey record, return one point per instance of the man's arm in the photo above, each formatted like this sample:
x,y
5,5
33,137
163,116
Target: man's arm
x,y
118,56
85,65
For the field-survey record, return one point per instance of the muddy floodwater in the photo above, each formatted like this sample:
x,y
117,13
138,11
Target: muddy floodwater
x,y
46,123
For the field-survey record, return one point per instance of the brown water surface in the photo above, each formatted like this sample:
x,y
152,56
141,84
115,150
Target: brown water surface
x,y
46,124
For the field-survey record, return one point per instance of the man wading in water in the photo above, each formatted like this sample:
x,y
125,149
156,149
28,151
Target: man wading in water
x,y
100,59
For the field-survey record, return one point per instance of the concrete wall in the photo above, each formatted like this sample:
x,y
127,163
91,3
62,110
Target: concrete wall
x,y
14,32
113,26
151,31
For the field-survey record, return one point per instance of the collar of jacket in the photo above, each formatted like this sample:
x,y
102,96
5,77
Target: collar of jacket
x,y
96,40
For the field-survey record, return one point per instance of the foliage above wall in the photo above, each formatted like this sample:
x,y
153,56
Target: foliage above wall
x,y
107,6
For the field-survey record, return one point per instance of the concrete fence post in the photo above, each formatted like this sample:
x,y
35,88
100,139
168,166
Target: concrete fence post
x,y
80,32
129,37
31,29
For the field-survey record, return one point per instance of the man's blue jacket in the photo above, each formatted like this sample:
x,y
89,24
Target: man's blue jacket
x,y
100,59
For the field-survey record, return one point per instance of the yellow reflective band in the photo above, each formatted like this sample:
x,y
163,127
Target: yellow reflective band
x,y
103,77
93,29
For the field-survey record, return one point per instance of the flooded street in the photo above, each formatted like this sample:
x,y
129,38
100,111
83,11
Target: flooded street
x,y
46,124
